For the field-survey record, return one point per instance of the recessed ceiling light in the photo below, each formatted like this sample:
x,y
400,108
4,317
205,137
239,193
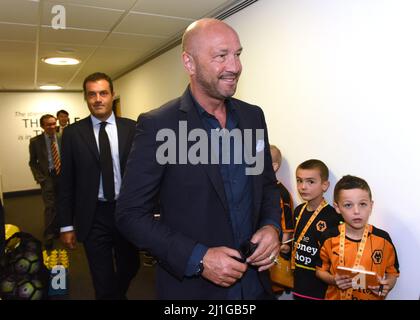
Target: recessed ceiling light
x,y
61,61
50,87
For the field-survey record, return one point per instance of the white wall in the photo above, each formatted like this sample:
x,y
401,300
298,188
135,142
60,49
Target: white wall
x,y
19,120
151,85
338,81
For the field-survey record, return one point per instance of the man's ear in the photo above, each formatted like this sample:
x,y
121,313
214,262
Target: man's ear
x,y
189,63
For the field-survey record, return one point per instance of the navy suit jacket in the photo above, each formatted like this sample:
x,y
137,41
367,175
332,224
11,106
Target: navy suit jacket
x,y
80,172
192,199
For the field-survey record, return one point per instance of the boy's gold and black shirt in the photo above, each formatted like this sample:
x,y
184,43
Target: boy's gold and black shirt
x,y
287,226
306,284
379,256
286,205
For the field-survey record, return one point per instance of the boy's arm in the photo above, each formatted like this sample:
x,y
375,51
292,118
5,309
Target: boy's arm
x,y
392,280
286,245
342,282
323,266
387,283
325,276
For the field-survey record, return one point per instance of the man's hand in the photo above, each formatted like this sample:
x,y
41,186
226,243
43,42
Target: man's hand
x,y
68,239
268,248
221,268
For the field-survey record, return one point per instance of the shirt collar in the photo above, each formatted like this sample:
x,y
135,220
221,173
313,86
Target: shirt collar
x,y
48,137
202,112
96,121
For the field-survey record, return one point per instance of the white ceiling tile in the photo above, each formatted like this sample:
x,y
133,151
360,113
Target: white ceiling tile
x,y
17,32
49,74
77,82
74,51
17,81
19,11
100,61
17,65
192,9
84,17
111,4
72,36
151,25
120,59
130,41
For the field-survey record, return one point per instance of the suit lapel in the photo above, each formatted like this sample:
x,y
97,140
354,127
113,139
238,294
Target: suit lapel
x,y
189,113
247,122
43,148
87,135
122,141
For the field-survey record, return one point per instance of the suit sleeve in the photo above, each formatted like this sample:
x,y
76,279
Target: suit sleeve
x,y
66,182
137,203
34,162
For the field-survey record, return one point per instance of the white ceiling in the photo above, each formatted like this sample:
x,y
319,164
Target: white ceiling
x,y
111,36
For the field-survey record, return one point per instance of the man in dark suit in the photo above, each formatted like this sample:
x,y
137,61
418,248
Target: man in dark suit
x,y
44,161
94,154
209,211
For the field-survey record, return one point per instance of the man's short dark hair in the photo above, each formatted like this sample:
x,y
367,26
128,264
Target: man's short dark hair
x,y
315,164
96,77
44,117
349,182
62,111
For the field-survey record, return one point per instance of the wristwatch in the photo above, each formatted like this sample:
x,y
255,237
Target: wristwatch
x,y
200,268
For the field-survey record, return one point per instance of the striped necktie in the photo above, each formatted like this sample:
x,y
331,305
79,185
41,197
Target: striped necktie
x,y
55,155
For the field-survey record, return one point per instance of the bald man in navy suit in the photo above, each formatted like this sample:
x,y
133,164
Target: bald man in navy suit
x,y
211,214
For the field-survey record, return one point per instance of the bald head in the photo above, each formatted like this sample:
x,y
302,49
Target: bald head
x,y
196,32
211,56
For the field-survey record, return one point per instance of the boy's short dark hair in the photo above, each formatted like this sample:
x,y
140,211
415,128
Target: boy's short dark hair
x,y
349,182
96,77
315,164
277,153
44,117
62,111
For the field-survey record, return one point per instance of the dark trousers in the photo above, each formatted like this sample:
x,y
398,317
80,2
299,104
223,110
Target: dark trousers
x,y
113,261
49,190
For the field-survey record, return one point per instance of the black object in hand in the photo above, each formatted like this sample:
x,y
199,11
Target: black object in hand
x,y
286,256
246,250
